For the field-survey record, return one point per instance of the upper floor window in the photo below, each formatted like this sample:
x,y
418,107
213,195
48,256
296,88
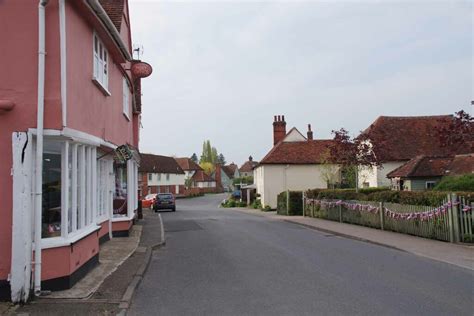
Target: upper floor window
x,y
126,98
150,176
168,176
101,73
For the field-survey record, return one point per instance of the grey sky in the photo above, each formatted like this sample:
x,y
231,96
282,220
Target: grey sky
x,y
223,69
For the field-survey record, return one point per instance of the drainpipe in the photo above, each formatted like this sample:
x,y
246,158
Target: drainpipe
x,y
39,145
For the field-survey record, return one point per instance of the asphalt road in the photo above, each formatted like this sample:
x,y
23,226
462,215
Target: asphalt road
x,y
223,262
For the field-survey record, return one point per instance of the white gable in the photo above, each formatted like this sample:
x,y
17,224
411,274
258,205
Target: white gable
x,y
294,136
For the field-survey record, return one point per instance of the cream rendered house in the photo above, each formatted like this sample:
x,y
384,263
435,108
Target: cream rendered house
x,y
294,163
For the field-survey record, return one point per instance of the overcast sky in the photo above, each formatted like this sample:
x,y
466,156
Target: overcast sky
x,y
223,69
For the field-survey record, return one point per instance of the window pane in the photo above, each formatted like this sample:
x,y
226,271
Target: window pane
x,y
51,210
96,44
120,192
69,170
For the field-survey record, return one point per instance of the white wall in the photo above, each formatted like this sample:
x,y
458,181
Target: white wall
x,y
175,179
271,180
377,177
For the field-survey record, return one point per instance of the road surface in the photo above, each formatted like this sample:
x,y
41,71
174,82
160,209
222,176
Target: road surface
x,y
224,262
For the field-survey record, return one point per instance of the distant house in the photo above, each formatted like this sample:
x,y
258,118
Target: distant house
x,y
199,179
189,167
203,181
160,174
294,163
423,173
225,175
247,168
397,139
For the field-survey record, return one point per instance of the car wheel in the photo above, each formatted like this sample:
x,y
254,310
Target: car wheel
x,y
174,209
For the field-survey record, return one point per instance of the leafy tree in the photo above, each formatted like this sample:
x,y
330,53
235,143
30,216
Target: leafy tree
x,y
194,158
208,167
458,133
214,156
356,152
221,159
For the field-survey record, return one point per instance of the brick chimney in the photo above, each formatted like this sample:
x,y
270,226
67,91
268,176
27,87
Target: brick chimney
x,y
250,158
218,176
310,132
279,129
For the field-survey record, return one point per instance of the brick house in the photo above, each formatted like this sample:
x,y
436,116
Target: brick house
x,y
247,168
160,174
69,131
199,181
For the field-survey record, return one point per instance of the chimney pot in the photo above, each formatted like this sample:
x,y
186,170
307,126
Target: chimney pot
x,y
282,118
310,133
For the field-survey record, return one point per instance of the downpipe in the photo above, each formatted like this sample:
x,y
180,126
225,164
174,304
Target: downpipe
x,y
39,145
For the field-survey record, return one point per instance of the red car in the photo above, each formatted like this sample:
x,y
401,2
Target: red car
x,y
148,201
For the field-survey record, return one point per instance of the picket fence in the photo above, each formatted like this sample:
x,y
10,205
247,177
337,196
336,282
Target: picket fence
x,y
451,221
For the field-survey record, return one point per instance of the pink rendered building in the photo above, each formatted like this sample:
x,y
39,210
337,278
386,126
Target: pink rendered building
x,y
68,85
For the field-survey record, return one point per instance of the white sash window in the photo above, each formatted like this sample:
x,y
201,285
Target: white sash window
x,y
101,75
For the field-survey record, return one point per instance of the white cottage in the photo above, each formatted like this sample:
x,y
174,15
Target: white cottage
x,y
397,139
294,163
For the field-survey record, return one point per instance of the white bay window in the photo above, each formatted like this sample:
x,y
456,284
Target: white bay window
x,y
77,191
100,66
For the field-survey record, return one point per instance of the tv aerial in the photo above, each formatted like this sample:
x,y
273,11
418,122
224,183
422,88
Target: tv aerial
x,y
138,50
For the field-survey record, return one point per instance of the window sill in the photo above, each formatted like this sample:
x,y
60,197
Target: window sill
x,y
56,242
101,87
123,219
126,116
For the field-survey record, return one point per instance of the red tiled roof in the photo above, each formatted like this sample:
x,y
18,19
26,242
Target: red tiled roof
x,y
187,164
423,166
201,176
403,138
159,164
229,171
462,164
114,9
248,166
302,152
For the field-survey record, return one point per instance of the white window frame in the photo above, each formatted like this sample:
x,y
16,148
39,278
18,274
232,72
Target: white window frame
x,y
430,182
167,177
126,98
100,60
82,188
150,177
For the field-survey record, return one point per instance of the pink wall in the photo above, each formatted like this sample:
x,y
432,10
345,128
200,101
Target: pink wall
x,y
63,261
18,83
88,108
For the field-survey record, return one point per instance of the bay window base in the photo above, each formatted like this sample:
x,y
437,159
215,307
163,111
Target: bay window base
x,y
122,228
68,281
5,292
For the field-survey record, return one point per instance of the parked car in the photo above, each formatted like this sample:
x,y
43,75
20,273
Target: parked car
x,y
236,194
148,201
164,201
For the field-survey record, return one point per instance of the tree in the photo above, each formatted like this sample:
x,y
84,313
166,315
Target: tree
x,y
329,170
221,159
194,158
356,152
458,133
214,156
208,167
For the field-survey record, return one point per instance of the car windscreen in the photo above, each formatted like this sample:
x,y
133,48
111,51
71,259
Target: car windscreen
x,y
165,197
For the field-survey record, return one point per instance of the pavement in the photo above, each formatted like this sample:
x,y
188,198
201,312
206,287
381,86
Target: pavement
x,y
109,288
231,262
461,255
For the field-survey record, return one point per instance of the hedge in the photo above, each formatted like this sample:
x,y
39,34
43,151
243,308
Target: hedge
x,y
426,198
456,183
295,203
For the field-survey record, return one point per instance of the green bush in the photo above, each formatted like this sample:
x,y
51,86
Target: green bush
x,y
295,203
257,204
456,183
373,190
266,208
